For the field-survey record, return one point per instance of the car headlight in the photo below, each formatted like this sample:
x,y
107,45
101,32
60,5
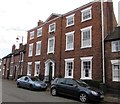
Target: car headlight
x,y
36,84
94,93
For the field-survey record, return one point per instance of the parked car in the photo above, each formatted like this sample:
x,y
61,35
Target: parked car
x,y
76,88
31,83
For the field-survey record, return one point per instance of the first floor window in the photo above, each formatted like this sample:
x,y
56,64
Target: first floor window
x,y
115,70
29,71
37,68
69,66
38,48
51,44
30,49
86,68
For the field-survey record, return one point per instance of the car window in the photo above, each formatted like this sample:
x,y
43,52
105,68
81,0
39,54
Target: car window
x,y
70,82
81,83
26,78
61,81
34,79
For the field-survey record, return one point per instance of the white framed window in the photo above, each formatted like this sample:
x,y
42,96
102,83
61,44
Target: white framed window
x,y
39,32
70,41
4,61
69,68
3,70
31,35
29,69
86,67
52,27
12,59
115,70
21,56
86,37
30,49
51,45
86,14
37,68
70,20
38,48
115,46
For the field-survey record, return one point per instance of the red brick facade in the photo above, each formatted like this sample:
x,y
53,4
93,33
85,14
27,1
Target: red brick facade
x,y
77,54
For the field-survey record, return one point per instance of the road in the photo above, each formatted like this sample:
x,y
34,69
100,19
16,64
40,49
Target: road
x,y
10,93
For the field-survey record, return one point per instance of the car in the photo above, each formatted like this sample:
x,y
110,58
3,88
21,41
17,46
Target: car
x,y
76,88
31,82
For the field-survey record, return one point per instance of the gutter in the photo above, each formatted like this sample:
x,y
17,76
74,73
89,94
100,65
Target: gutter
x,y
103,45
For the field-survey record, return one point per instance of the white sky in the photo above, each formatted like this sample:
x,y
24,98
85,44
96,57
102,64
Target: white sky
x,y
18,16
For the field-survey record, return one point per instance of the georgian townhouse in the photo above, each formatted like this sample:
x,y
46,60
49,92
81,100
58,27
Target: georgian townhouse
x,y
71,45
112,60
14,63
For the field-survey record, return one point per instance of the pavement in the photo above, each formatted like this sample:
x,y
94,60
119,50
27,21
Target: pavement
x,y
112,98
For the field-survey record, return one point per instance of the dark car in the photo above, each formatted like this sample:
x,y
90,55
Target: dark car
x,y
76,88
31,83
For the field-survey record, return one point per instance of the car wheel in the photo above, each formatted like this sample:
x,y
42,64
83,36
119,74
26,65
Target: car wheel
x,y
31,87
83,97
53,92
18,84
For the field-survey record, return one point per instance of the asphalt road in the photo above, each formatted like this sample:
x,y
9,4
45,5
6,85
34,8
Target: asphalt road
x,y
10,93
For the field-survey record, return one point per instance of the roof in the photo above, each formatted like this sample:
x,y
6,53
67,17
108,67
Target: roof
x,y
115,35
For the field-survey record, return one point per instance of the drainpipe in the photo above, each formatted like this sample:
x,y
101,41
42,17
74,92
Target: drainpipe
x,y
103,48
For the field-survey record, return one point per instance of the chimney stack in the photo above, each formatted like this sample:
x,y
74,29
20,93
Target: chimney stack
x,y
20,45
40,22
13,48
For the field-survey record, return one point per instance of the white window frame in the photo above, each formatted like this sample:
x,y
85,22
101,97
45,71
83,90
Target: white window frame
x,y
54,27
28,72
21,56
31,35
12,59
30,50
66,70
84,11
113,44
89,28
68,48
85,59
35,74
39,32
115,62
67,20
48,51
38,52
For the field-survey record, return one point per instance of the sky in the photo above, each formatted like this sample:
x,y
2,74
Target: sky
x,y
19,16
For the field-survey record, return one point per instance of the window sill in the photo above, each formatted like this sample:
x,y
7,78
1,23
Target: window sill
x,y
69,25
86,20
69,50
86,47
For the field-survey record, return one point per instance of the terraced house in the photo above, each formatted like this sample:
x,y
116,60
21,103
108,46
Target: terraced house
x,y
71,45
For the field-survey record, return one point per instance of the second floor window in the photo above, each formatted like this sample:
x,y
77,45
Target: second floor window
x,y
51,44
21,56
70,20
39,32
115,46
30,49
86,14
52,27
31,35
38,48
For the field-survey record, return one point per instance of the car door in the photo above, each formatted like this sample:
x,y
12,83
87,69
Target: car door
x,y
71,88
26,82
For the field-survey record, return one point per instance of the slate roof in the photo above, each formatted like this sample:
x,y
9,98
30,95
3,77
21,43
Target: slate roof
x,y
115,35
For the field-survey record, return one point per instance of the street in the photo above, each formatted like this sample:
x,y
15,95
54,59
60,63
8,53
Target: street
x,y
10,93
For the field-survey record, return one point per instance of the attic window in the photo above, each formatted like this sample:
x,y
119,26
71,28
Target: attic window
x,y
52,27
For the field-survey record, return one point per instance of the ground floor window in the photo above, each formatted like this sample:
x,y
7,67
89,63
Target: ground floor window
x,y
37,68
69,67
86,68
115,70
29,69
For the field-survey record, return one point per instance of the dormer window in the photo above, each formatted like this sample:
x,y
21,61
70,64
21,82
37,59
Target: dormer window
x,y
86,14
70,20
31,35
52,27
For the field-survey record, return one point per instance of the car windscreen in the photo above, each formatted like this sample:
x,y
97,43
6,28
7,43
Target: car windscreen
x,y
34,79
83,84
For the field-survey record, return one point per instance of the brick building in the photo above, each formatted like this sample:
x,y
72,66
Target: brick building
x,y
71,45
112,59
14,63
